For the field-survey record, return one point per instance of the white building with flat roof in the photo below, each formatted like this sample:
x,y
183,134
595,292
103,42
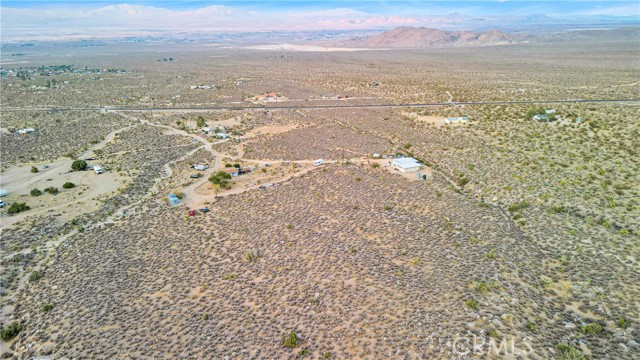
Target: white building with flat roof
x,y
406,164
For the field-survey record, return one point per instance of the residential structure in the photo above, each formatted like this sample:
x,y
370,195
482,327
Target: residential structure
x,y
406,164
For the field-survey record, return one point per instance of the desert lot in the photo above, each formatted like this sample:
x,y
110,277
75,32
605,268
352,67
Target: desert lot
x,y
523,231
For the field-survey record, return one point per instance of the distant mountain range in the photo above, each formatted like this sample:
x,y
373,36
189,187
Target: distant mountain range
x,y
409,37
420,38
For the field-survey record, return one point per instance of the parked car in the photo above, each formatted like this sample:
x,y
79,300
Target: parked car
x,y
195,176
204,209
98,169
45,166
192,213
2,204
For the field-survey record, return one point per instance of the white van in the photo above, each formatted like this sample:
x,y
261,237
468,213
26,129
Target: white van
x,y
98,169
318,162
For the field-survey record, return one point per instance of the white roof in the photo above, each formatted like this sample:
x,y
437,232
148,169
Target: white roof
x,y
405,163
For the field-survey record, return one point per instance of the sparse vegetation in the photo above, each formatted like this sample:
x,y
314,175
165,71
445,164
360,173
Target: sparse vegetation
x,y
17,208
68,185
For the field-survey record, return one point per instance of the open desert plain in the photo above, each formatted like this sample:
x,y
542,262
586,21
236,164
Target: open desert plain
x,y
173,199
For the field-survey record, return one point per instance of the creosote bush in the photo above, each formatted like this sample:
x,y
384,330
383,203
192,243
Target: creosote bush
x,y
17,208
10,330
472,304
291,340
68,185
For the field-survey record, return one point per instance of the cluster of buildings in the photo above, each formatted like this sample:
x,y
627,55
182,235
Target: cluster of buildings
x,y
220,133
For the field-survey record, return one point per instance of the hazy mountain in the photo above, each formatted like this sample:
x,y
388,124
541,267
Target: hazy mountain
x,y
409,37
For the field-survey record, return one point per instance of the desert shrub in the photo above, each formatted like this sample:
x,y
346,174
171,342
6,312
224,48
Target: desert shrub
x,y
291,340
557,209
304,352
531,326
47,307
252,255
10,330
35,192
52,190
591,329
34,169
519,206
17,208
68,185
36,275
78,165
472,304
375,165
482,287
622,322
491,254
237,166
568,352
463,181
227,165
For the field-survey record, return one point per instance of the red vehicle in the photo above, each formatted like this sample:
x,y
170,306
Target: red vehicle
x,y
192,213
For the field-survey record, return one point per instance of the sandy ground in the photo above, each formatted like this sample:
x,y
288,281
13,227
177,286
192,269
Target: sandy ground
x,y
438,121
68,203
295,47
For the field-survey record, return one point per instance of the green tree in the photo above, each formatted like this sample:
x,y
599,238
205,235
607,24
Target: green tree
x,y
200,122
36,192
78,165
222,179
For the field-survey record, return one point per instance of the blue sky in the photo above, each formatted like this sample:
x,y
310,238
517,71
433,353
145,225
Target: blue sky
x,y
389,7
87,19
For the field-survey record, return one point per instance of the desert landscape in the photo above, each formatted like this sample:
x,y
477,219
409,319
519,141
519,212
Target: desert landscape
x,y
409,194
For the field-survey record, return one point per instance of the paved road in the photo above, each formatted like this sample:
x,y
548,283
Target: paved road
x,y
333,106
